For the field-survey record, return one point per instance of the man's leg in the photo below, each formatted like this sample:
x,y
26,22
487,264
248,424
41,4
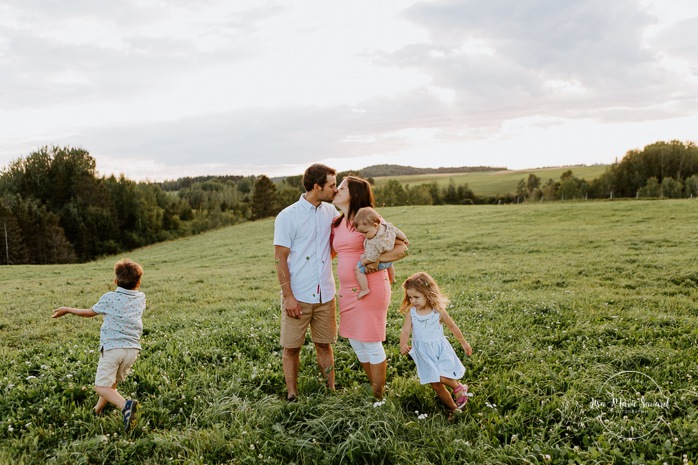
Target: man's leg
x,y
325,358
291,363
323,327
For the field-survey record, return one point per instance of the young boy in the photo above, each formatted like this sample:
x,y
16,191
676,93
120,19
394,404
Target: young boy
x,y
119,337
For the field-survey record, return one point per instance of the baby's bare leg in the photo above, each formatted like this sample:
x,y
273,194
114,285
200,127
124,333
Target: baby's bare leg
x,y
363,283
391,274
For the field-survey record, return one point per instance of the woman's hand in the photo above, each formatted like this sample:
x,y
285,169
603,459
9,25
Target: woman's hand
x,y
405,349
466,347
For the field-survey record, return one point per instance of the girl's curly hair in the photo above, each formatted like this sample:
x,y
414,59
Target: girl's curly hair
x,y
424,284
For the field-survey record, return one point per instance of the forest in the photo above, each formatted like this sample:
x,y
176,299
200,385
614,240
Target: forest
x,y
660,170
55,208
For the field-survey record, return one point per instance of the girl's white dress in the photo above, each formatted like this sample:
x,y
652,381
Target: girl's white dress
x,y
431,351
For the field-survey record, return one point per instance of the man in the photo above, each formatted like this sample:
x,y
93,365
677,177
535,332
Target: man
x,y
304,269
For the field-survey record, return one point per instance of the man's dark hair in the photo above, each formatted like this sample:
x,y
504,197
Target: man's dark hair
x,y
316,174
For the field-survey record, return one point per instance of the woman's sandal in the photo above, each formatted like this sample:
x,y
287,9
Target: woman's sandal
x,y
463,398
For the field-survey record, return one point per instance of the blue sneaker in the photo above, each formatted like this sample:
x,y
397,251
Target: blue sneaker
x,y
129,413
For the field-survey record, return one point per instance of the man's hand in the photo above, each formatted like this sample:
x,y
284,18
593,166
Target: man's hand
x,y
292,307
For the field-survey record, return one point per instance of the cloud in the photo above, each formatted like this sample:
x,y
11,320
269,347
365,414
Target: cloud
x,y
679,41
296,135
177,87
506,60
82,51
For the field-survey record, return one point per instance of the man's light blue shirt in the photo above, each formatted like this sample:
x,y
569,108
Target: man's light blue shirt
x,y
305,230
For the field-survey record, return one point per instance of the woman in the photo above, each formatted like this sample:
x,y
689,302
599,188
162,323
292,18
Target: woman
x,y
362,321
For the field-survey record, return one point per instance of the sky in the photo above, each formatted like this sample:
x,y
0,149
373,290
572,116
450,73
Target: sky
x,y
159,89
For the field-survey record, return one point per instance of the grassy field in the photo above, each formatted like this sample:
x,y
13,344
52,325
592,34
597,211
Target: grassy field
x,y
583,317
492,183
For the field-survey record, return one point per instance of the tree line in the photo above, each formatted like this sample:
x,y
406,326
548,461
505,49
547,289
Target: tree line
x,y
399,170
54,208
660,170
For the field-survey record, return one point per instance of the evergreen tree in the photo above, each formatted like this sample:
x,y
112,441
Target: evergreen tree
x,y
13,251
264,198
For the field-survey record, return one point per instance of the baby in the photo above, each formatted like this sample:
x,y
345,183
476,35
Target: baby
x,y
380,238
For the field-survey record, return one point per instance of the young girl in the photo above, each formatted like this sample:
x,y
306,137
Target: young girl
x,y
424,307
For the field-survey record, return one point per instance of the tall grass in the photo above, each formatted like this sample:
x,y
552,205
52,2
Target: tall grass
x,y
556,300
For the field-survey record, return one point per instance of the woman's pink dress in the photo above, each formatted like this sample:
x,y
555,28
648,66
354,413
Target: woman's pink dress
x,y
363,320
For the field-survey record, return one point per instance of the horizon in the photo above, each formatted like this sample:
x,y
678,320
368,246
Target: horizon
x,y
278,178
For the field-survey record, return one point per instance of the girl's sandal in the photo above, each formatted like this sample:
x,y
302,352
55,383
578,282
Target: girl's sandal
x,y
463,398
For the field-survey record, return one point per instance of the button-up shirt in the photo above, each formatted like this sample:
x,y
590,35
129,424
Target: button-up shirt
x,y
305,230
122,325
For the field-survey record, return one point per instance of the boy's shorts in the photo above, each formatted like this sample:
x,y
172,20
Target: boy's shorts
x,y
381,266
114,366
320,318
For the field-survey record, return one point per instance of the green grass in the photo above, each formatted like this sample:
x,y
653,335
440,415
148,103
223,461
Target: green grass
x,y
492,183
556,299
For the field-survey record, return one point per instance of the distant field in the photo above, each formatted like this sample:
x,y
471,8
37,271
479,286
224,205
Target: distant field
x,y
583,318
491,183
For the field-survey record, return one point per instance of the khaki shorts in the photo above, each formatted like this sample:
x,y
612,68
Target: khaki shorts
x,y
114,365
321,319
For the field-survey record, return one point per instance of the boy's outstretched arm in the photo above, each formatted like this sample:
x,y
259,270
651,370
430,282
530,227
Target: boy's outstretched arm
x,y
85,312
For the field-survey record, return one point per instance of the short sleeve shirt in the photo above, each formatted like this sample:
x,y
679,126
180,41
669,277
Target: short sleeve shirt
x,y
305,230
122,326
